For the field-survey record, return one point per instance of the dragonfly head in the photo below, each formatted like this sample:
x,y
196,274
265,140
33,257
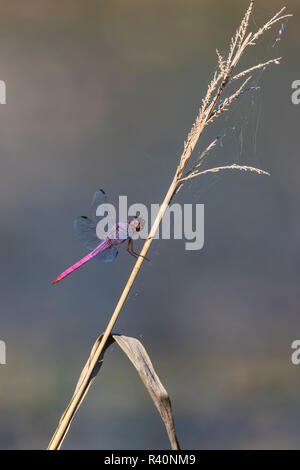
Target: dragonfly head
x,y
137,223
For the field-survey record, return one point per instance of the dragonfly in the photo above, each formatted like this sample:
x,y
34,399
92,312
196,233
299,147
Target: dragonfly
x,y
85,230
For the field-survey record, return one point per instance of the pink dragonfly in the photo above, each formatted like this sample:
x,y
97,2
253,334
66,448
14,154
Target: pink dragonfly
x,y
85,230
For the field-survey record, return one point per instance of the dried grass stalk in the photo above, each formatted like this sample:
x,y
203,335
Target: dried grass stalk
x,y
209,110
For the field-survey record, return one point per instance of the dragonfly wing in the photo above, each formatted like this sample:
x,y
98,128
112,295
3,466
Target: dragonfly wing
x,y
107,255
98,199
85,230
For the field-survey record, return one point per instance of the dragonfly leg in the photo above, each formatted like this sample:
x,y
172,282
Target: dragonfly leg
x,y
132,252
128,248
136,254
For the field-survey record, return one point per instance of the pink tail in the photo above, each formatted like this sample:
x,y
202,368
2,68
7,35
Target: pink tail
x,y
103,246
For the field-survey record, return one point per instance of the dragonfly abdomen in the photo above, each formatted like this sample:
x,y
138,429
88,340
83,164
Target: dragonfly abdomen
x,y
103,246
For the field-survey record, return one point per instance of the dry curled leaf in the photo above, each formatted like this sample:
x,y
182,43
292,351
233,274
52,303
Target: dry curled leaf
x,y
137,354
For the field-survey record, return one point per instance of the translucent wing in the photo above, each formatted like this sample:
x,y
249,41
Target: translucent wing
x,y
98,199
85,230
107,255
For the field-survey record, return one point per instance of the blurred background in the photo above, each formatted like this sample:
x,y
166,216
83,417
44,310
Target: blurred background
x,y
102,94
